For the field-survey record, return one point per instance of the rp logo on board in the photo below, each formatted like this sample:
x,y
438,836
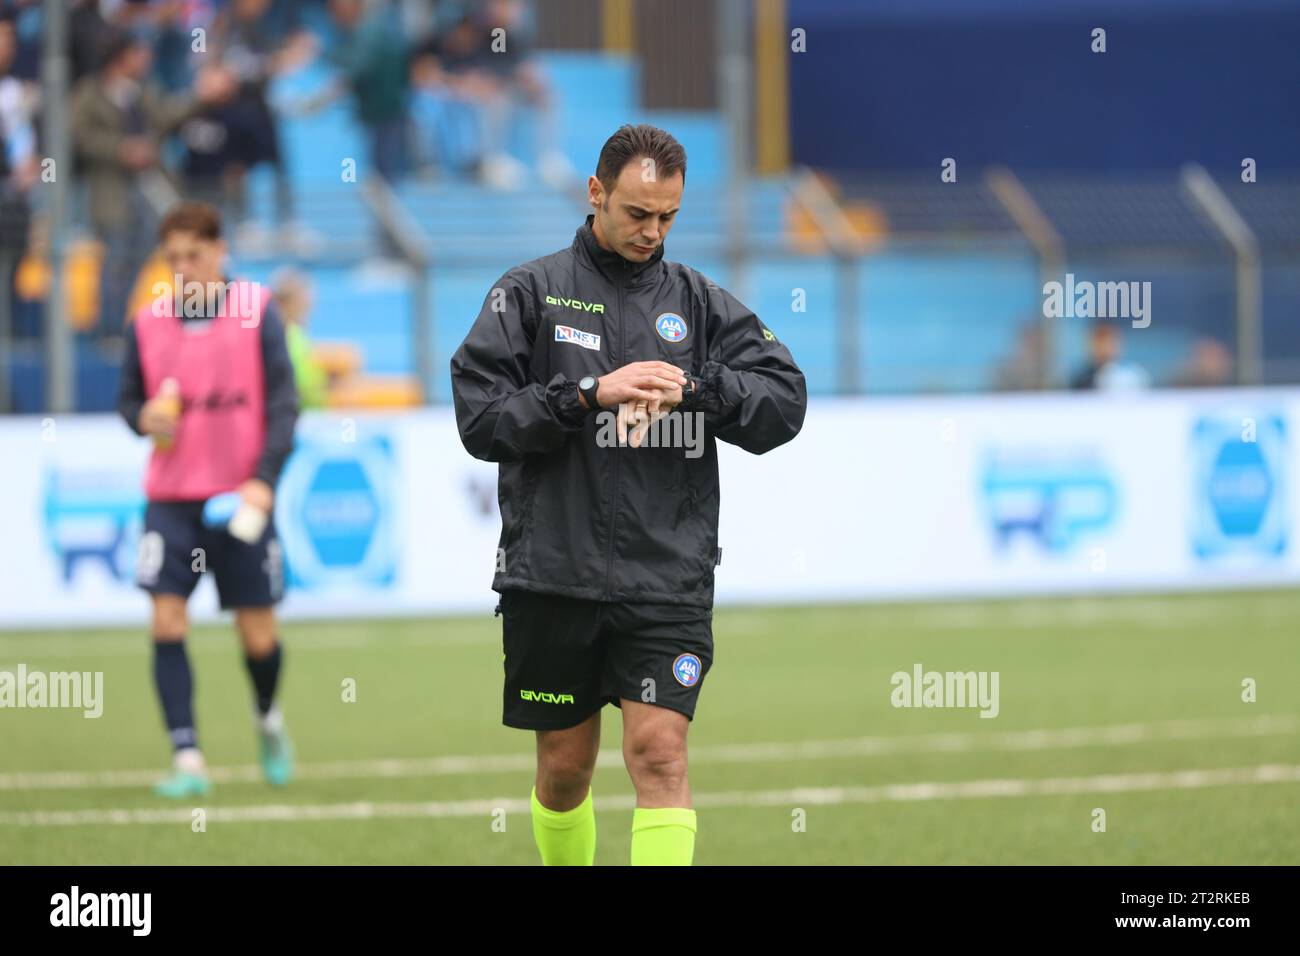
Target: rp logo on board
x,y
671,327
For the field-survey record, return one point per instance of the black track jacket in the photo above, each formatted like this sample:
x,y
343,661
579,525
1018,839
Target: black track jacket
x,y
581,516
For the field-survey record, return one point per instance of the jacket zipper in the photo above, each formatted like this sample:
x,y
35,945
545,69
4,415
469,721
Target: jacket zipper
x,y
613,502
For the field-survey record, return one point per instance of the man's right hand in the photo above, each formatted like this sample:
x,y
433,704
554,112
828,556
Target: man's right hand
x,y
215,84
137,153
158,417
638,382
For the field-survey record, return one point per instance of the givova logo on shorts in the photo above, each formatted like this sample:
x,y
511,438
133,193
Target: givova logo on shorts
x,y
545,697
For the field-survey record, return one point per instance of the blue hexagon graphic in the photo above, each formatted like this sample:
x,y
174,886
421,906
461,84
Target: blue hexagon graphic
x,y
1239,507
1239,488
335,512
339,513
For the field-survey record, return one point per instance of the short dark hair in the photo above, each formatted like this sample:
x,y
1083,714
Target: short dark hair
x,y
634,142
115,45
200,218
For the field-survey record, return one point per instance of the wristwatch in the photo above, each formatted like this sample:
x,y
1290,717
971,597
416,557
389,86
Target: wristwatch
x,y
690,389
588,386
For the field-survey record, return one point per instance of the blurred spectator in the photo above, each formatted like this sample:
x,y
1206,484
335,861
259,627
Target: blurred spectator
x,y
253,42
86,31
172,40
31,284
82,266
1023,369
481,56
118,122
1208,366
165,26
19,165
18,162
1107,370
292,292
27,20
372,56
19,169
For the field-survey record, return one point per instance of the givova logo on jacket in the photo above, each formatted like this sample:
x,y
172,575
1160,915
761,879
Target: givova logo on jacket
x,y
671,327
575,304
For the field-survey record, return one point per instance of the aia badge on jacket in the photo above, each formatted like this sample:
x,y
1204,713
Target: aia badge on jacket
x,y
671,327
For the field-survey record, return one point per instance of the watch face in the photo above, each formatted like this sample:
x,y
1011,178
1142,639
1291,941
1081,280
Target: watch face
x,y
587,382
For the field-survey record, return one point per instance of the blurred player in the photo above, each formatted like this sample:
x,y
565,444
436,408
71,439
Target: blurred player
x,y
207,376
609,547
1107,369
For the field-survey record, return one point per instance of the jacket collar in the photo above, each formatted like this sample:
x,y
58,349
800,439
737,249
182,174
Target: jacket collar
x,y
610,264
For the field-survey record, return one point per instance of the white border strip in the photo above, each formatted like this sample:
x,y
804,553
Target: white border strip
x,y
819,796
1016,740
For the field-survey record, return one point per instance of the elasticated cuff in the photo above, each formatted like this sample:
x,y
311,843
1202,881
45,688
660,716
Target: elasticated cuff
x,y
562,819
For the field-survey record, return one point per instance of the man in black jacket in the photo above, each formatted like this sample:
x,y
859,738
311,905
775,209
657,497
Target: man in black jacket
x,y
608,542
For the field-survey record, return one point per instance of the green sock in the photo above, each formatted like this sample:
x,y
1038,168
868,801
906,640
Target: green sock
x,y
663,836
566,837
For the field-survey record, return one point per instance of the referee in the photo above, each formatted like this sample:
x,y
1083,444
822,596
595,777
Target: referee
x,y
600,378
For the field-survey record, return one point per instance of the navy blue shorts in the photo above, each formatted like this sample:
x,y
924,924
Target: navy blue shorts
x,y
566,658
176,548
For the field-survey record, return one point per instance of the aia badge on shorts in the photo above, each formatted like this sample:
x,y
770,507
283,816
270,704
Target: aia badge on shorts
x,y
671,327
687,670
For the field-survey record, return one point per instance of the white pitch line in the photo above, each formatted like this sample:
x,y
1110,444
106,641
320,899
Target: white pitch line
x,y
818,796
1039,614
1032,614
1015,740
118,646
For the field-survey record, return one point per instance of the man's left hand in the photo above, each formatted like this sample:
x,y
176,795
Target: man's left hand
x,y
635,418
258,494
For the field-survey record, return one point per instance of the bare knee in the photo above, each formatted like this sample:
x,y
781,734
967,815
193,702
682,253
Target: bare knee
x,y
170,620
656,761
256,626
566,760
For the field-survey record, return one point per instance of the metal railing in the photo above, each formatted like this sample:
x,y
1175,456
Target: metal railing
x,y
410,241
1034,216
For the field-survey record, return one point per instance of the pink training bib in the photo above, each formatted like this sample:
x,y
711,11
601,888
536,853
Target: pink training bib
x,y
218,364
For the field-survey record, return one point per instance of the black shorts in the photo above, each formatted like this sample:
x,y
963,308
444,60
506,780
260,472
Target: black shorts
x,y
566,658
169,562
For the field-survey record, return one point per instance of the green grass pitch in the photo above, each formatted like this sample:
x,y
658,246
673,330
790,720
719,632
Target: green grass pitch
x,y
1130,705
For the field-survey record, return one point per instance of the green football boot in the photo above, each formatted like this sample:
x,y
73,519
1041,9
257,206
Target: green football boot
x,y
189,778
275,751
